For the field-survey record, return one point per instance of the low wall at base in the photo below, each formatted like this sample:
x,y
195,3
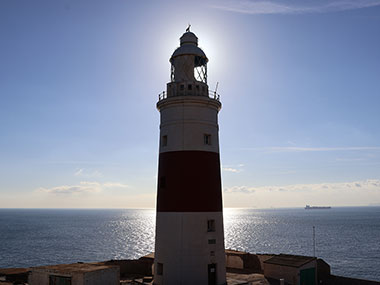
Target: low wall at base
x,y
129,267
339,280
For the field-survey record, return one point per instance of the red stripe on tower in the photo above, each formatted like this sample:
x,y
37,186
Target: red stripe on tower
x,y
189,181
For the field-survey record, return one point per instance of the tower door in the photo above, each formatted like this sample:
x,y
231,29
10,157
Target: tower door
x,y
212,274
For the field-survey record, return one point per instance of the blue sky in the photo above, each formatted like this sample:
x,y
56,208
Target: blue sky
x,y
299,83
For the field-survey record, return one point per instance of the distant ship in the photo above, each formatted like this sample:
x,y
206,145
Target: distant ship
x,y
308,207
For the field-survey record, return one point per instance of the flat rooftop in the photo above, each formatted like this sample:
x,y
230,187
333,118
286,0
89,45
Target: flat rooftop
x,y
73,268
290,260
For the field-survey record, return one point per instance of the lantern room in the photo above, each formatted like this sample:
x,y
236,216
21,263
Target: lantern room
x,y
188,68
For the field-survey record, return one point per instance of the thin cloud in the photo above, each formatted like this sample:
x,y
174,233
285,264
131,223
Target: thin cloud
x,y
230,169
370,184
240,189
233,168
303,149
287,7
84,187
115,185
82,172
314,149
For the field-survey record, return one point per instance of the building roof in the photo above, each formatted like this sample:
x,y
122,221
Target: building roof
x,y
12,271
149,256
290,260
73,268
235,252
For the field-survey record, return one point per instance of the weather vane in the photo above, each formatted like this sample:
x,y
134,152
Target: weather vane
x,y
188,28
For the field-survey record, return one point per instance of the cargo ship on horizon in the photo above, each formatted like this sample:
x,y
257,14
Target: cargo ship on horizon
x,y
308,207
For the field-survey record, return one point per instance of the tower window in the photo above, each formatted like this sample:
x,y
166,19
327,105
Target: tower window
x,y
189,87
212,241
211,225
197,87
172,73
182,87
207,139
162,182
160,268
200,69
164,141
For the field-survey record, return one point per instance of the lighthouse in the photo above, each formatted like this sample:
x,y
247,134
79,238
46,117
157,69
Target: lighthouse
x,y
189,245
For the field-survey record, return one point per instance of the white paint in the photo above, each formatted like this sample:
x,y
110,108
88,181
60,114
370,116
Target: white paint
x,y
183,249
185,120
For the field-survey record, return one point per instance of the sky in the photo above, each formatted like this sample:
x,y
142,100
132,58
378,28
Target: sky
x,y
299,82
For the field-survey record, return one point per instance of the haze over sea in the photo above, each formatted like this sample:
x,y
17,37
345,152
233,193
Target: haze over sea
x,y
346,238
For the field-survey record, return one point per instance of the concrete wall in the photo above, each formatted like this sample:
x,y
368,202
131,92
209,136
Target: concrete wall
x,y
323,270
290,274
234,261
109,276
41,277
141,267
38,278
243,260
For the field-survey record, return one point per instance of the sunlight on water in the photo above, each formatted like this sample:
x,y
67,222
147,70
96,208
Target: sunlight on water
x,y
260,231
346,238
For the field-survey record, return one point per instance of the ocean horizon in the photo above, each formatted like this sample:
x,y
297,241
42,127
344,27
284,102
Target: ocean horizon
x,y
347,238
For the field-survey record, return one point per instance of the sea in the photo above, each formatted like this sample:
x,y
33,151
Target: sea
x,y
347,238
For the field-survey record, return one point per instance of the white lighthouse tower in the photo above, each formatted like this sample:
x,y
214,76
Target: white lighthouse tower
x,y
189,245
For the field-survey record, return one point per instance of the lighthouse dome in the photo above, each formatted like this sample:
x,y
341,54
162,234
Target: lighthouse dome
x,y
189,46
189,38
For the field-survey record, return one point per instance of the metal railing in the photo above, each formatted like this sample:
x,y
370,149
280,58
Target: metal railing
x,y
162,96
211,94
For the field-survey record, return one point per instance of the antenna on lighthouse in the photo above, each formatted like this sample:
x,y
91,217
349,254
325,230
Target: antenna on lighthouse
x,y
188,28
216,88
314,241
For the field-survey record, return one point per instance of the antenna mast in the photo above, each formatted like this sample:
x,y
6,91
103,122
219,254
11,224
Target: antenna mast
x,y
314,241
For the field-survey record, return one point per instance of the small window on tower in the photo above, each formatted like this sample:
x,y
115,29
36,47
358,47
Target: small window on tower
x,y
160,268
211,225
182,87
189,87
212,241
164,141
207,139
162,182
